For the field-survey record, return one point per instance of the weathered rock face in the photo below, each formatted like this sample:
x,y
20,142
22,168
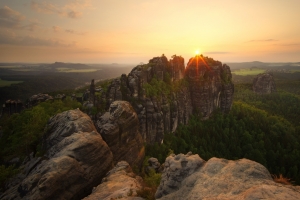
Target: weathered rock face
x,y
156,114
120,129
264,84
119,183
210,85
153,164
199,88
189,177
75,161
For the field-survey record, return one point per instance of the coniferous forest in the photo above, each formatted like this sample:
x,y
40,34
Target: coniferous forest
x,y
263,128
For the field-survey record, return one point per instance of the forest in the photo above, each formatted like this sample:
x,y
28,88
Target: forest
x,y
263,128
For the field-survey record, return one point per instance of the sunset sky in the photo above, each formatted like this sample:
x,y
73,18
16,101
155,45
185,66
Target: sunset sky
x,y
134,31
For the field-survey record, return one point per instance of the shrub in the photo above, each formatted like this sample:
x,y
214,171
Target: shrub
x,y
281,179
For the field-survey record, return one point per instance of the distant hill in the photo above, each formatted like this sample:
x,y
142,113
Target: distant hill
x,y
264,65
68,65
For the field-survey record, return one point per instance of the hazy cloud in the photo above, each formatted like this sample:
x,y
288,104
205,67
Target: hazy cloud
x,y
70,10
290,44
267,40
217,52
56,29
74,14
10,18
29,40
32,26
75,32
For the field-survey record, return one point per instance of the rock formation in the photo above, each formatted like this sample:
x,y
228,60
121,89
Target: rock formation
x,y
38,98
190,177
210,85
119,183
153,164
264,84
164,94
119,127
12,106
75,161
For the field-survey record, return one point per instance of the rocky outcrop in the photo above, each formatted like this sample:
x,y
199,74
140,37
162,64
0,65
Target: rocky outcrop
x,y
264,84
12,106
38,98
153,164
210,85
119,127
189,177
119,183
157,114
204,86
75,161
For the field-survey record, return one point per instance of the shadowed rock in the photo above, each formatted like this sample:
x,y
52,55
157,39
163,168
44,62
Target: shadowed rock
x,y
204,86
264,84
75,161
219,179
210,85
120,129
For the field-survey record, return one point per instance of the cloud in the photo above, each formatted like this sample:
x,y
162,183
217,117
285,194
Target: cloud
x,y
74,14
10,18
288,44
70,10
10,38
56,29
74,32
32,26
217,52
267,40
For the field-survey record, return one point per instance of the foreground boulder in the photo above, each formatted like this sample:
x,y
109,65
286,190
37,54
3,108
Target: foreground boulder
x,y
190,177
264,84
75,161
120,129
119,183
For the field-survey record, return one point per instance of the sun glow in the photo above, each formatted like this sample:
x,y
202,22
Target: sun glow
x,y
197,52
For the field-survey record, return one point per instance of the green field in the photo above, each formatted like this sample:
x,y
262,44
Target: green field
x,y
248,71
295,70
69,70
8,83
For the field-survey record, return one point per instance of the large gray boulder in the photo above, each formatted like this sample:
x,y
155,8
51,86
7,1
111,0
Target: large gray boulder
x,y
120,129
75,161
119,183
220,179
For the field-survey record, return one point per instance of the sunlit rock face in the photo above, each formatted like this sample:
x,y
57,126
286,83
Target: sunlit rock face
x,y
190,177
200,88
264,84
119,183
210,85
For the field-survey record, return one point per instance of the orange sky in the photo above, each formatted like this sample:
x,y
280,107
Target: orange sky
x,y
134,31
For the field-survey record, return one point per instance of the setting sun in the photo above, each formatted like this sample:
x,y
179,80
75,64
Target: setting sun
x,y
197,52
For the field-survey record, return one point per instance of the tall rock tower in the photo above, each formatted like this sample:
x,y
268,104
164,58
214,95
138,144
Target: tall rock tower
x,y
210,85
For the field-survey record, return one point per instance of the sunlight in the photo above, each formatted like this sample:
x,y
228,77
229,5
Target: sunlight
x,y
197,52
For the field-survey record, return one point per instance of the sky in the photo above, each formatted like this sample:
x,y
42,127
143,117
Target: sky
x,y
134,31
